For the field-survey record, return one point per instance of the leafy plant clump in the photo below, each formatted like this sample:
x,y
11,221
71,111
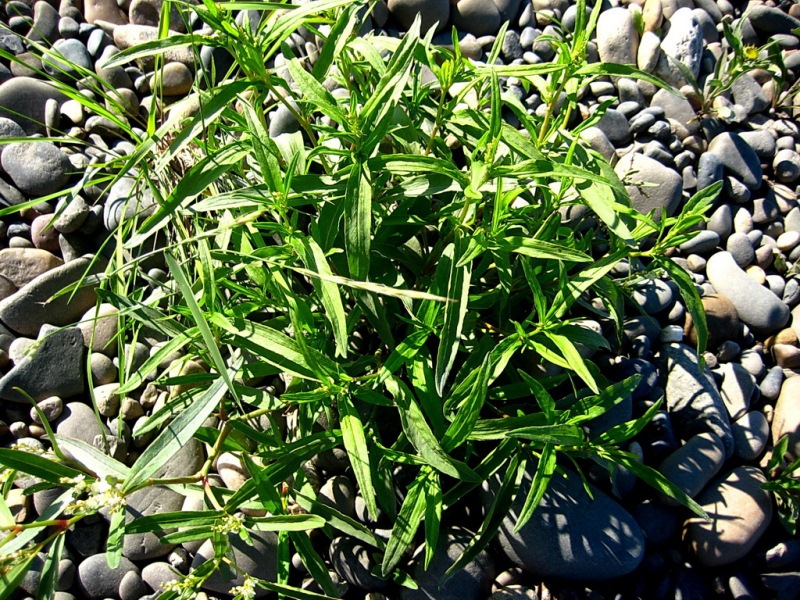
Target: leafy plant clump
x,y
405,276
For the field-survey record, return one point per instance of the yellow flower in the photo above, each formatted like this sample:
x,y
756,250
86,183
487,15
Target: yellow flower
x,y
750,52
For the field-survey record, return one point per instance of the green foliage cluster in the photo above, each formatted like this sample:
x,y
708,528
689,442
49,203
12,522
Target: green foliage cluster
x,y
403,260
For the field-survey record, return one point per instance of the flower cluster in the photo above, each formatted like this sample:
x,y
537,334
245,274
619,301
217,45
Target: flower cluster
x,y
246,591
228,523
100,494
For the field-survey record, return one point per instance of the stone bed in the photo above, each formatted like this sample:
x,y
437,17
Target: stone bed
x,y
715,433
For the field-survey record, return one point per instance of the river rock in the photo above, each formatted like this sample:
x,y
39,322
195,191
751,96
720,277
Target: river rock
x,y
693,465
770,20
99,327
786,420
436,12
23,265
353,561
755,305
257,559
740,512
473,582
55,369
78,421
737,388
159,499
602,542
23,100
751,433
651,185
127,36
26,310
617,38
738,157
36,168
98,581
683,43
692,399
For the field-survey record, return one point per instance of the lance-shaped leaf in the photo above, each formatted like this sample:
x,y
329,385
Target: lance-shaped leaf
x,y
177,433
358,221
355,442
470,410
454,312
407,522
314,259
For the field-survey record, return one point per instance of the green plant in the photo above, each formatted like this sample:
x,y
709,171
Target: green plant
x,y
785,485
400,261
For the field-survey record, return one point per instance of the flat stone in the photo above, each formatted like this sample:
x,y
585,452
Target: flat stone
x,y
23,265
257,559
99,327
756,306
78,421
159,499
99,581
473,582
431,13
760,140
786,420
617,38
683,43
651,185
104,10
693,465
748,93
692,399
740,513
751,433
738,157
60,63
23,100
36,168
721,318
33,305
737,388
770,20
741,249
677,109
174,79
478,17
611,543
55,369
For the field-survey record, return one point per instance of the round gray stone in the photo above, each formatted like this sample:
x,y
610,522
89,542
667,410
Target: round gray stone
x,y
36,168
99,581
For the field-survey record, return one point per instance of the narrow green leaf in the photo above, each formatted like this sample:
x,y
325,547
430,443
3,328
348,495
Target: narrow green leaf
x,y
313,562
314,259
138,377
407,523
116,535
92,458
691,298
355,443
470,410
153,48
542,396
211,344
539,299
625,431
334,45
339,521
498,510
6,518
49,576
36,465
541,479
582,282
560,435
420,435
171,520
286,522
600,198
314,93
458,285
541,249
433,516
358,221
177,433
573,358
